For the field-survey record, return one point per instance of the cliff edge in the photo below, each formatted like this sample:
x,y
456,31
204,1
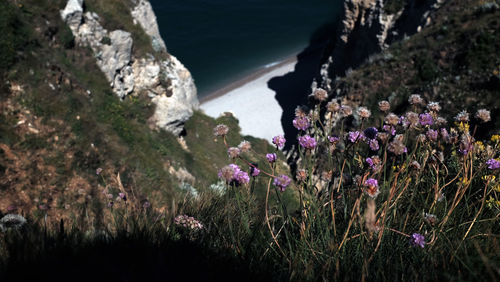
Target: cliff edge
x,y
368,27
165,80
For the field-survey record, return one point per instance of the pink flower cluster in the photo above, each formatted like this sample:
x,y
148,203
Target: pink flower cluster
x,y
233,174
301,123
271,157
417,240
282,182
372,189
307,142
493,164
279,141
188,222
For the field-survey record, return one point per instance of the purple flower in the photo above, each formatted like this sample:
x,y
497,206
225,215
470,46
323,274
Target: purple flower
x,y
279,141
374,163
354,136
233,173
307,142
390,129
371,185
282,182
493,164
466,144
371,132
445,135
122,195
188,222
254,171
301,123
146,205
241,177
369,161
271,157
426,119
333,139
417,240
432,134
374,145
98,171
235,167
371,182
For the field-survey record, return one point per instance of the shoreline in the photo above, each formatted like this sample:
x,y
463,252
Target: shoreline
x,y
251,101
258,73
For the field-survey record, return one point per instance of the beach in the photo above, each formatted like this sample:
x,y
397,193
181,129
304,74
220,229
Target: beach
x,y
251,101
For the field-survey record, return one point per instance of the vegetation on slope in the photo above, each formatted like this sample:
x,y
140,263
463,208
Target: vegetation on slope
x,y
423,200
60,122
454,60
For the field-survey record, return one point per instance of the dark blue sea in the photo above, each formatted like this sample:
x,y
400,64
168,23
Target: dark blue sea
x,y
221,41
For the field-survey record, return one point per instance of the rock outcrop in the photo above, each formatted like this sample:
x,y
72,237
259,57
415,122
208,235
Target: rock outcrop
x,y
366,28
167,82
144,15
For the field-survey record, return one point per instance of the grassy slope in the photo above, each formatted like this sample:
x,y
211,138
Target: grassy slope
x,y
68,133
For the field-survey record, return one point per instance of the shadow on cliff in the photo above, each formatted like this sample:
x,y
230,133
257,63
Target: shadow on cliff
x,y
293,88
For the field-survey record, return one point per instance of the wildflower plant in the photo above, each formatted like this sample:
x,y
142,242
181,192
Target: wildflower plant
x,y
363,184
363,191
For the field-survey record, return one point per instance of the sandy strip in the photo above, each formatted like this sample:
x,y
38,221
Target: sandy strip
x,y
251,102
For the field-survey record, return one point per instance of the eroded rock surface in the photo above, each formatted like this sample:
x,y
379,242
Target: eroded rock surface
x,y
367,29
143,13
167,82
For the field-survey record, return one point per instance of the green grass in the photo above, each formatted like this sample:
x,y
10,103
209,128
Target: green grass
x,y
97,129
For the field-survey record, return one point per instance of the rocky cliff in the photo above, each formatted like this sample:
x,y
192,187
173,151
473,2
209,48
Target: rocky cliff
x,y
166,81
368,27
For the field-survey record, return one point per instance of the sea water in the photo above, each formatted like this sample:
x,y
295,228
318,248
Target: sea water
x,y
221,41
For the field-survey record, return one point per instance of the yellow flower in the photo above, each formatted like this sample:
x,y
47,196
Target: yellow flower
x,y
463,180
495,138
496,188
480,146
489,177
491,202
462,126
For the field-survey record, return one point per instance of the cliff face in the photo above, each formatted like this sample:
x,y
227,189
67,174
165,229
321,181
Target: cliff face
x,y
450,57
367,28
166,81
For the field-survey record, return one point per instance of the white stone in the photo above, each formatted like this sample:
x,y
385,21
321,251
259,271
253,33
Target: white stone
x,y
143,13
72,12
127,74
